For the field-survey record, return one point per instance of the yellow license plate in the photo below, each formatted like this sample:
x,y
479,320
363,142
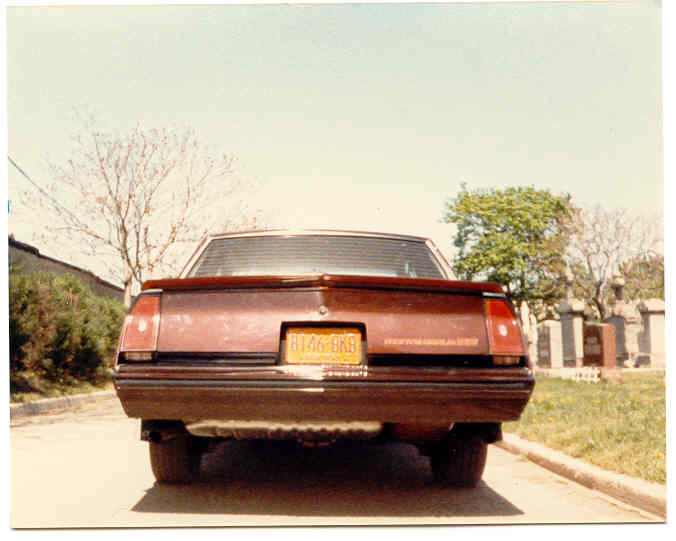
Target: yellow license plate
x,y
323,345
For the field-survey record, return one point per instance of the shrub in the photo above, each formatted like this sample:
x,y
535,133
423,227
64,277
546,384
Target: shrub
x,y
59,331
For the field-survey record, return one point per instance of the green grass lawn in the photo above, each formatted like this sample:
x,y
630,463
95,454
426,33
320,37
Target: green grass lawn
x,y
618,427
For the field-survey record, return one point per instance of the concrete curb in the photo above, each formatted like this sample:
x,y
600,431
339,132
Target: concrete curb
x,y
53,405
650,497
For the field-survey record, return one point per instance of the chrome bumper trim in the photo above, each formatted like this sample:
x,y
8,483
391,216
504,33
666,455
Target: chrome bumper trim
x,y
307,384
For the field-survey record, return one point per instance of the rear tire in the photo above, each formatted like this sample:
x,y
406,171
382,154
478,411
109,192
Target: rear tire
x,y
175,460
460,461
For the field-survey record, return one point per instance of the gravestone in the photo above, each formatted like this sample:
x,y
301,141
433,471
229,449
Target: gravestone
x,y
550,352
529,328
571,312
627,322
599,350
652,339
533,339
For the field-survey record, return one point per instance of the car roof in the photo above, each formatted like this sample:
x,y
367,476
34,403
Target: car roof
x,y
326,232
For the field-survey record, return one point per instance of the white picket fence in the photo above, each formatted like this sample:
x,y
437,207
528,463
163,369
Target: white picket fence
x,y
587,374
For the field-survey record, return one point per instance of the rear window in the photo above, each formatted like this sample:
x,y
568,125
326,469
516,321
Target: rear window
x,y
363,256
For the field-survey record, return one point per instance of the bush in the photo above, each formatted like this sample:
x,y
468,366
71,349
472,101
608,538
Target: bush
x,y
59,331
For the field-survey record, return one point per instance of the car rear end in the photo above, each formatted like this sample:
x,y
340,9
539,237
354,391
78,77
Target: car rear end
x,y
246,346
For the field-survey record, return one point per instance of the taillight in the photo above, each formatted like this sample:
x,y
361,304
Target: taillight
x,y
139,330
504,335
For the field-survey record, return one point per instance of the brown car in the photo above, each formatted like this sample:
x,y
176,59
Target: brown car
x,y
318,336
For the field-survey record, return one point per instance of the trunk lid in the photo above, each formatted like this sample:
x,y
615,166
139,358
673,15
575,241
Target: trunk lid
x,y
247,315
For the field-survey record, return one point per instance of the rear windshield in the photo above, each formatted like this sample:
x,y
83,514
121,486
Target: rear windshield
x,y
363,256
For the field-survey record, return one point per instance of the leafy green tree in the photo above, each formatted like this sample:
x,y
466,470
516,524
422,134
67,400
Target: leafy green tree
x,y
516,237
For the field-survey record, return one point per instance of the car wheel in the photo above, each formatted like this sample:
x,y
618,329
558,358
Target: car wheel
x,y
460,461
175,460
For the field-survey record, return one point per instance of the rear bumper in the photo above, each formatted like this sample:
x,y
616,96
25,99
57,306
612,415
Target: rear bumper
x,y
453,400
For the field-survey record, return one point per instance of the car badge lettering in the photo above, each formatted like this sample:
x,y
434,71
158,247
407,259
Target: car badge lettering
x,y
461,341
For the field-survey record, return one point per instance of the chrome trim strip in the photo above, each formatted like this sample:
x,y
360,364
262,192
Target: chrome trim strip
x,y
492,295
195,256
450,275
155,291
289,430
310,232
303,385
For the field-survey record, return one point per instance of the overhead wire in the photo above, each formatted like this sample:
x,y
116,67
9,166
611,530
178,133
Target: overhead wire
x,y
44,192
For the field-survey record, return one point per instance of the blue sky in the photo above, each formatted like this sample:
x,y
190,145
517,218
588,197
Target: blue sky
x,y
358,116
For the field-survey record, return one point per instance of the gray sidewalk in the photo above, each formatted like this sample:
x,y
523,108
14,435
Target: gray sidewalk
x,y
637,492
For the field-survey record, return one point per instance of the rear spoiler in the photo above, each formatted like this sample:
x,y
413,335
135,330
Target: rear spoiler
x,y
487,289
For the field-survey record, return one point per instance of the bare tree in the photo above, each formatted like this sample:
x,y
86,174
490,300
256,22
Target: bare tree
x,y
605,239
137,199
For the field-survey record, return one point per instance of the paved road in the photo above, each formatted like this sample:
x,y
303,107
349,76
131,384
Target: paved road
x,y
88,469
